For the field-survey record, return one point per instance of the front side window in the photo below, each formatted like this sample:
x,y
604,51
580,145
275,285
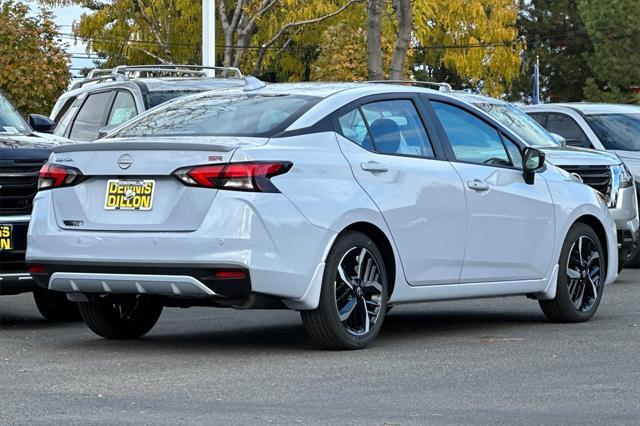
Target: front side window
x,y
567,127
215,115
90,118
472,140
124,109
388,127
616,131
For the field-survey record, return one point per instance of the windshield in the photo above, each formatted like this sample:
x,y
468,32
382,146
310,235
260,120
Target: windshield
x,y
616,131
10,120
519,123
212,114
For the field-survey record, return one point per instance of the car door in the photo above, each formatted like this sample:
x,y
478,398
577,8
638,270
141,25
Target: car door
x,y
510,234
91,117
420,195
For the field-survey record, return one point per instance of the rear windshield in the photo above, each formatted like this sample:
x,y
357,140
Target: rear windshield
x,y
616,131
519,123
215,115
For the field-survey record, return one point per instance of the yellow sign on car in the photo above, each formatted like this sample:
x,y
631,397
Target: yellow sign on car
x,y
129,194
6,241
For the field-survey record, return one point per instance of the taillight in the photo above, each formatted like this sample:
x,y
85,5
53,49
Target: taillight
x,y
56,176
250,176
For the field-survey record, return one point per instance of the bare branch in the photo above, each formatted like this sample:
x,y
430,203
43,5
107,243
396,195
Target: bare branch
x,y
155,31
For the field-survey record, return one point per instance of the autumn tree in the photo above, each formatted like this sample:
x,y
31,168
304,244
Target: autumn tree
x,y
33,64
475,39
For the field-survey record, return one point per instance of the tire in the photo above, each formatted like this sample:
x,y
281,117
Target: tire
x,y
350,291
55,306
121,317
634,262
580,276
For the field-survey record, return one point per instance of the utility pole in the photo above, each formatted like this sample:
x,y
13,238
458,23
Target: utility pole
x,y
536,82
209,34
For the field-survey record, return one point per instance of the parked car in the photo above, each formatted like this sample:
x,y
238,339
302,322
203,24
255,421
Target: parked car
x,y
331,199
108,98
601,170
23,151
604,127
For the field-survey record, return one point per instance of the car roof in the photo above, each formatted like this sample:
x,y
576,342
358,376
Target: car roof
x,y
474,98
588,108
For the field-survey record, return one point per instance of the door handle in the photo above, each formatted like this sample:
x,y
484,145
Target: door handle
x,y
477,185
373,167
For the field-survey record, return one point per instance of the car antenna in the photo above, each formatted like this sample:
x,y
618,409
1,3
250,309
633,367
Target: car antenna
x,y
253,83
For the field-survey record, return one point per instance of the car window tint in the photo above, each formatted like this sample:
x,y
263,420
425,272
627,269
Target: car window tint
x,y
65,120
396,128
567,127
124,109
90,117
353,127
540,117
472,140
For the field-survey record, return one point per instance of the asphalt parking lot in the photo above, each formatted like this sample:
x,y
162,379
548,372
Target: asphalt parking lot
x,y
481,361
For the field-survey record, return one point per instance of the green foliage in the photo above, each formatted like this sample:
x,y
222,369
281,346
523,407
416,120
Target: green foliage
x,y
555,32
33,63
613,29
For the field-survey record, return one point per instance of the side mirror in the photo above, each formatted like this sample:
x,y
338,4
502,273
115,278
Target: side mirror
x,y
41,123
104,131
533,161
561,140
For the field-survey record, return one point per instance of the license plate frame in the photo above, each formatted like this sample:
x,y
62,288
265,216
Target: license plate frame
x,y
122,194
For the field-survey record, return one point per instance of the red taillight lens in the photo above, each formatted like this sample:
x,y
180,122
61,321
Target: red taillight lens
x,y
56,176
37,269
230,275
250,176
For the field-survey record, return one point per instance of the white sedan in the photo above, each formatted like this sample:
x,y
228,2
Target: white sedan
x,y
335,200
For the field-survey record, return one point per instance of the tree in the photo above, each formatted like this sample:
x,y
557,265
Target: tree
x,y
33,63
615,61
402,10
476,40
554,31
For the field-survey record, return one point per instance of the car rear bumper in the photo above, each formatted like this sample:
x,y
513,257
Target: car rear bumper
x,y
262,234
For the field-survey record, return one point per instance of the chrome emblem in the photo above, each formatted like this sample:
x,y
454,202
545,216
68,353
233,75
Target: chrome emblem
x,y
125,161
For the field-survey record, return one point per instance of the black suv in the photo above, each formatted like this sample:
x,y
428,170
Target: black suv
x,y
109,97
23,151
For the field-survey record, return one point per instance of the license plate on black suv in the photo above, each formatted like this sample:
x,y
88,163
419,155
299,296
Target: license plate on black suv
x,y
6,237
129,194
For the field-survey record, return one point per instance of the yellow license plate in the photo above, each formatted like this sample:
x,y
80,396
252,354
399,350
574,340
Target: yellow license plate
x,y
6,237
129,194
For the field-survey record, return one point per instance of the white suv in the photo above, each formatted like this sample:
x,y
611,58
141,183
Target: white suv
x,y
331,199
604,127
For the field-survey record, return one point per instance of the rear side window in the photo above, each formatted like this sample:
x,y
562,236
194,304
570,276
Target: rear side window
x,y
472,140
388,127
91,117
220,115
124,109
155,98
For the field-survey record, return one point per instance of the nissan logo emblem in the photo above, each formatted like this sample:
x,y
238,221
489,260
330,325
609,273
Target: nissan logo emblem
x,y
125,161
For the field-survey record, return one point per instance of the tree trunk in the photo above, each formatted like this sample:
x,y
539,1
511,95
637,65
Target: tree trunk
x,y
374,40
401,47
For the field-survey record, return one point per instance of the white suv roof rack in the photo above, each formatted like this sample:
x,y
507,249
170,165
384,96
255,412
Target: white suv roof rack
x,y
129,72
443,87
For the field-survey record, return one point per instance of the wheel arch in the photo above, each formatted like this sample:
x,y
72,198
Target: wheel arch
x,y
598,227
384,245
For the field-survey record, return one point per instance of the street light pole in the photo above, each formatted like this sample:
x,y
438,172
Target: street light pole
x,y
209,33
